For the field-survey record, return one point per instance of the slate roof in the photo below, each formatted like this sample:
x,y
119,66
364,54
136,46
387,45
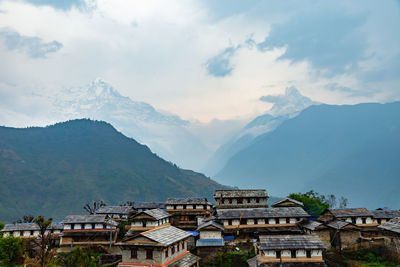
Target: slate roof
x,y
210,243
277,242
287,199
186,261
157,214
188,201
150,205
87,218
210,223
240,193
114,210
282,212
166,235
337,224
385,214
360,212
393,225
29,227
311,225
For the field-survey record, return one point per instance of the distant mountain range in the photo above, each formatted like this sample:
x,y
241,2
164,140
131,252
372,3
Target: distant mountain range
x,y
286,106
55,170
351,151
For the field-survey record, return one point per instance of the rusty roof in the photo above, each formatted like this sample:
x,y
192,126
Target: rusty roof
x,y
240,193
278,242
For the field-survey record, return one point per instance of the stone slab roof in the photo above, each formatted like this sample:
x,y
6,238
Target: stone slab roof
x,y
29,227
282,212
393,225
359,212
287,199
149,205
166,235
385,214
188,201
311,225
210,223
240,193
279,242
337,224
87,218
157,214
114,210
186,261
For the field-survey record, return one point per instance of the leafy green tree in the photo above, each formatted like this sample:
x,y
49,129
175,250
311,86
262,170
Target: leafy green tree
x,y
1,225
77,258
313,202
10,250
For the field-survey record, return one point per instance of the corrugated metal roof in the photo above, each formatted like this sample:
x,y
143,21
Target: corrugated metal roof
x,y
87,218
29,227
210,243
189,201
278,242
282,212
385,214
240,193
186,261
166,235
114,210
393,225
157,214
287,199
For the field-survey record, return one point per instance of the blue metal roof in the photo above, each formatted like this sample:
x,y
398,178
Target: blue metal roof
x,y
193,233
229,238
210,243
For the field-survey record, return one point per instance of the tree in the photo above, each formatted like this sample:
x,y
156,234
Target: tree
x,y
96,205
128,204
314,203
343,202
10,250
45,241
331,199
26,219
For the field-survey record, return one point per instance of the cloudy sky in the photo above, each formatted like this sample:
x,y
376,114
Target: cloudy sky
x,y
199,59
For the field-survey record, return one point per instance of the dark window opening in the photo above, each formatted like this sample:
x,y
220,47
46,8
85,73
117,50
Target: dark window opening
x,y
287,220
379,221
353,220
93,226
31,232
173,250
149,254
229,222
240,200
308,253
134,253
257,200
72,226
183,245
293,253
144,223
177,247
255,221
230,201
243,221
364,220
166,253
278,254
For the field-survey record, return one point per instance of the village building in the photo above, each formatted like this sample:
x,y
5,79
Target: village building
x,y
87,230
30,230
360,216
142,206
291,250
148,219
186,210
383,216
391,232
241,198
287,202
162,246
210,241
118,213
248,223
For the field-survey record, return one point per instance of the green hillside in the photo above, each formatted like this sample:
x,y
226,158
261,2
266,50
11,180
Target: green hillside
x,y
55,170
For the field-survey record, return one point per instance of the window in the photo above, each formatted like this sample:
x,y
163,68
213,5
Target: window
x,y
149,254
230,201
293,253
278,254
364,220
184,207
177,247
255,221
173,250
287,220
229,222
240,200
379,221
144,223
308,253
166,253
183,245
244,221
353,220
93,226
257,200
134,253
72,226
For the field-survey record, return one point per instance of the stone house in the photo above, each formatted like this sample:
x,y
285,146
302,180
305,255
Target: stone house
x,y
147,220
391,232
162,246
118,213
241,198
30,230
186,210
360,216
142,206
291,250
87,230
287,202
383,216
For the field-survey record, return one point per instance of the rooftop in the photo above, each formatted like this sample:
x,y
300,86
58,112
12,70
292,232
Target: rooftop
x,y
188,260
287,199
282,212
87,218
114,210
150,205
157,214
188,201
210,223
311,225
29,227
278,242
337,224
166,235
385,214
240,193
393,225
359,212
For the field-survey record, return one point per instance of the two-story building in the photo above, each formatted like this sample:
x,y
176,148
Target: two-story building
x,y
360,216
383,216
241,198
147,220
248,223
186,210
162,246
117,213
87,230
291,250
142,206
30,230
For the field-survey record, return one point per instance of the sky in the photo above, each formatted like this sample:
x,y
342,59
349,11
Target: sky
x,y
201,60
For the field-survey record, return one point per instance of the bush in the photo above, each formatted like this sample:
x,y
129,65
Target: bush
x,y
10,250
